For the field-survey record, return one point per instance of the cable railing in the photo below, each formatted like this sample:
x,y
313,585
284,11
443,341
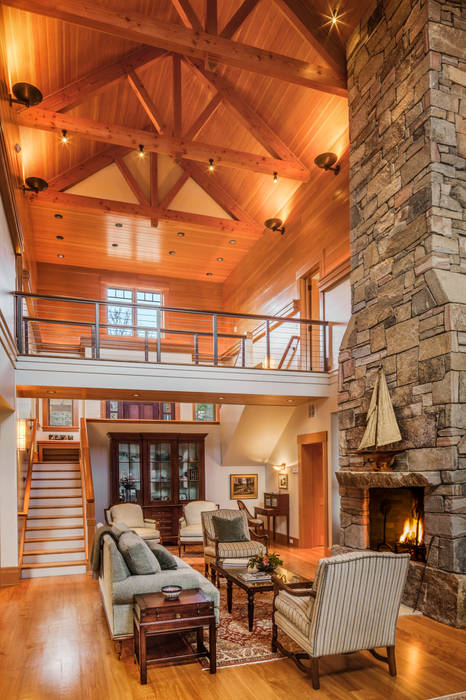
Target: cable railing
x,y
96,329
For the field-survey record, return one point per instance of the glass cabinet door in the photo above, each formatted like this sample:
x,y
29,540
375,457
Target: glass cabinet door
x,y
129,472
160,471
188,471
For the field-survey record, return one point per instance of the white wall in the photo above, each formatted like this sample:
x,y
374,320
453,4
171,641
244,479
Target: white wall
x,y
217,478
336,304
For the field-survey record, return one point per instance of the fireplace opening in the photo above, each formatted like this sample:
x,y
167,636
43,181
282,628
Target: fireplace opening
x,y
396,521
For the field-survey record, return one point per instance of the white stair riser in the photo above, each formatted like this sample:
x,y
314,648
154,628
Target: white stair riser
x,y
60,544
51,510
52,557
44,502
59,571
62,522
68,483
61,532
43,466
56,492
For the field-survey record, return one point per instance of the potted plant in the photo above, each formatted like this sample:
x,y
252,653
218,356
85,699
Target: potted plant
x,y
265,562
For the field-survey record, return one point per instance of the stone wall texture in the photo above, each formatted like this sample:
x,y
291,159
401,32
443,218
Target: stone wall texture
x,y
407,106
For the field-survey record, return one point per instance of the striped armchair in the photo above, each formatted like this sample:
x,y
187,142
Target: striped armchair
x,y
352,605
214,550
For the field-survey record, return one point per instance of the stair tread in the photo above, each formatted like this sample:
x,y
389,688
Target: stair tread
x,y
52,517
44,507
55,471
35,552
55,527
65,538
42,488
36,498
49,565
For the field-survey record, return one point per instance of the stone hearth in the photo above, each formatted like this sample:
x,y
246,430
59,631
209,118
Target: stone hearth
x,y
406,84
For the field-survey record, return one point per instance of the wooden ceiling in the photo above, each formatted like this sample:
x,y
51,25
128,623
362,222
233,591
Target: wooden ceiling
x,y
189,79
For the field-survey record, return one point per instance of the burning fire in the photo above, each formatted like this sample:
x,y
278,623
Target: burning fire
x,y
412,531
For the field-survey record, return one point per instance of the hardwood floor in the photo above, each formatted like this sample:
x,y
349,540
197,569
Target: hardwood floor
x,y
54,644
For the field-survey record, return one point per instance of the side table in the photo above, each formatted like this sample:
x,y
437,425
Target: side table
x,y
154,616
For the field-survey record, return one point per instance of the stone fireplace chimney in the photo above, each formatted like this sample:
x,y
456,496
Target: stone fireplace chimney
x,y
407,91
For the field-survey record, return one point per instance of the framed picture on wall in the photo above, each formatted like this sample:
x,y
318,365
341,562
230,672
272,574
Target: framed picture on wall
x,y
283,481
243,486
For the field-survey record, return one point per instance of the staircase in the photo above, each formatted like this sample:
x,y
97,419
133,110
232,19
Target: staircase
x,y
54,538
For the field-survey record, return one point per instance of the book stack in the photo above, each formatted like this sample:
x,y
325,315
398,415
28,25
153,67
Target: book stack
x,y
235,563
256,577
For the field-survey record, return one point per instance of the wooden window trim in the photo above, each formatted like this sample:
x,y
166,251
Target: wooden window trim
x,y
60,428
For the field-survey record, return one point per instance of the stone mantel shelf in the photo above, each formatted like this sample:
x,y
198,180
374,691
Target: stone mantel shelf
x,y
387,480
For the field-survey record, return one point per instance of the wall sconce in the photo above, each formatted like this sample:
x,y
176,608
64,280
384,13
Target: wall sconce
x,y
26,94
35,184
326,161
21,435
275,225
280,468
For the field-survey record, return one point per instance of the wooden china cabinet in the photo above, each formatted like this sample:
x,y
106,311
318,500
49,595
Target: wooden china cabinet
x,y
160,471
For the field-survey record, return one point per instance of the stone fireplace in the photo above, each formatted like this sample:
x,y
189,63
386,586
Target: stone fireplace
x,y
406,84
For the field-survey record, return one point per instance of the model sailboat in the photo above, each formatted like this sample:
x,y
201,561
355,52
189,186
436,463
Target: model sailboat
x,y
381,426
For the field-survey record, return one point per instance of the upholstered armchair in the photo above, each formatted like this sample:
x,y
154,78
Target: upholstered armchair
x,y
215,550
256,523
352,605
190,525
131,514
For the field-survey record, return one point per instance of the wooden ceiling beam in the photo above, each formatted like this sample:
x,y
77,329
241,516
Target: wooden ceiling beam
x,y
241,14
203,118
211,17
315,28
87,168
64,200
187,14
38,118
173,191
196,44
154,184
252,121
72,94
131,181
176,75
146,101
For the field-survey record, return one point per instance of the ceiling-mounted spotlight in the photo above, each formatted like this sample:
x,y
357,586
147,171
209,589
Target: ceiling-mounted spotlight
x,y
275,178
326,161
275,225
211,165
26,94
64,136
35,184
141,153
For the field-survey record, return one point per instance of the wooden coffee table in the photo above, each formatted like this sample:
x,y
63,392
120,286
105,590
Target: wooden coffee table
x,y
156,619
232,575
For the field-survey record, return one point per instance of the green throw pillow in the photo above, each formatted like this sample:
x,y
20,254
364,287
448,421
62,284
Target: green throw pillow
x,y
163,556
118,529
137,554
229,530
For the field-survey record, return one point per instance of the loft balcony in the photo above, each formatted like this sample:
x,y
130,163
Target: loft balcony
x,y
96,346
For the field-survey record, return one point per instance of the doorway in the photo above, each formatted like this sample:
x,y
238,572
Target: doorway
x,y
313,490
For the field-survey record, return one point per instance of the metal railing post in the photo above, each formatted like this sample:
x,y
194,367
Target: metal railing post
x,y
97,330
26,337
158,316
267,342
310,347
215,338
243,352
196,349
324,348
19,324
146,347
93,342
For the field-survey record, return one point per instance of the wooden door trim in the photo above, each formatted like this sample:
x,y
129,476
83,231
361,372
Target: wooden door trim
x,y
313,439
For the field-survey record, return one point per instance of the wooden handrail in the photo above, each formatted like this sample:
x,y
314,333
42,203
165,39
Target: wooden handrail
x,y
23,513
87,491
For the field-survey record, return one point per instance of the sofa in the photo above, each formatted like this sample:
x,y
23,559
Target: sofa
x,y
118,587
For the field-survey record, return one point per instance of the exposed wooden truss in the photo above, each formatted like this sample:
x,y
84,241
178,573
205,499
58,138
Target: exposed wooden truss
x,y
195,44
204,117
87,168
173,191
241,14
64,200
131,138
131,181
187,14
146,101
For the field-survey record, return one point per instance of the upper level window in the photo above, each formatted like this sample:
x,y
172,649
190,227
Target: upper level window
x,y
125,320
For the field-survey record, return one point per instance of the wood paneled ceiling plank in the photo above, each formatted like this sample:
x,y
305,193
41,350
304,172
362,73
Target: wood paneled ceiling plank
x,y
64,200
187,14
177,104
196,44
203,118
146,101
192,150
250,119
131,181
173,191
72,94
86,168
241,14
311,26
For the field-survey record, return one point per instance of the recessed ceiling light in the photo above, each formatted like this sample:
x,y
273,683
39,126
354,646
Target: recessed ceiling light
x,y
136,394
219,259
51,392
114,245
60,238
220,398
119,225
60,255
58,216
232,242
209,274
290,400
172,252
180,234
